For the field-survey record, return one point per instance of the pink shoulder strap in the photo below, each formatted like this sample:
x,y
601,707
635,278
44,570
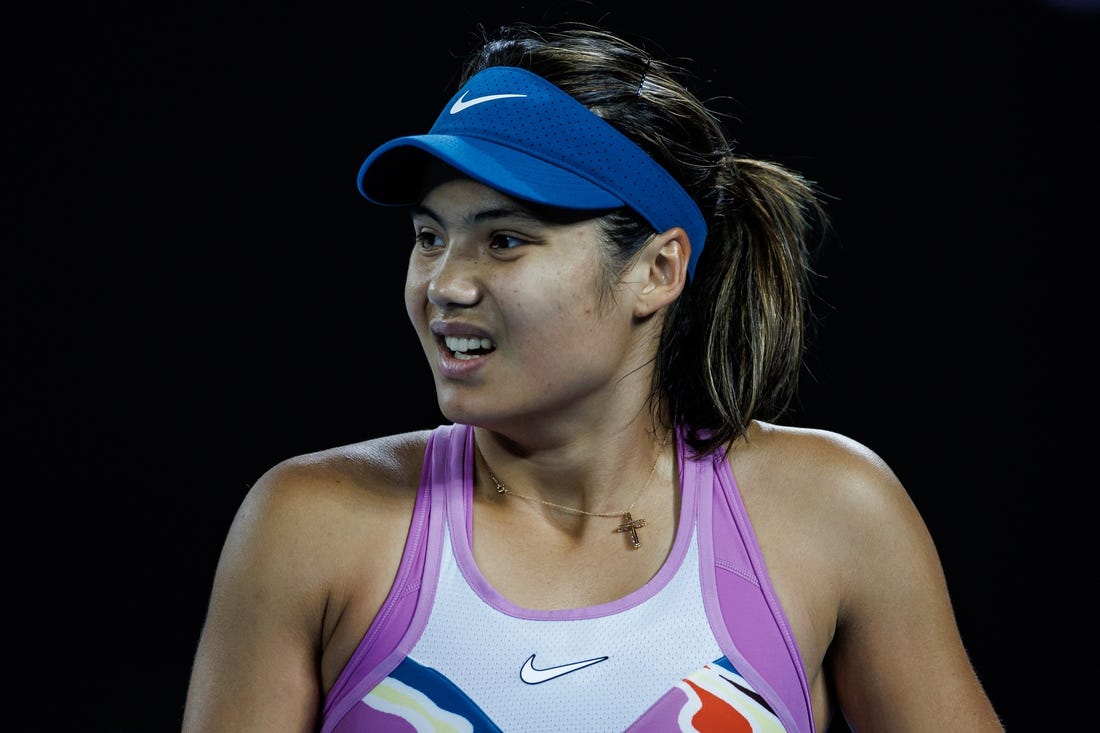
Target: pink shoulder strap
x,y
745,612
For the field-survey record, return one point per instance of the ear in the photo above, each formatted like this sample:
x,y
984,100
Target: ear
x,y
662,271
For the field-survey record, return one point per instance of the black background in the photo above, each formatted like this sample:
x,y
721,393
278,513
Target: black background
x,y
194,290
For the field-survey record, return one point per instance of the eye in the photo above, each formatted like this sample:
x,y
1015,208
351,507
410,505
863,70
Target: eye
x,y
505,241
427,240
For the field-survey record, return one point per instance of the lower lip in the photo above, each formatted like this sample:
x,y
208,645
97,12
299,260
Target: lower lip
x,y
453,368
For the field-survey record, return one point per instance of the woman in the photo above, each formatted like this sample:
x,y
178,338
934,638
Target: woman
x,y
612,532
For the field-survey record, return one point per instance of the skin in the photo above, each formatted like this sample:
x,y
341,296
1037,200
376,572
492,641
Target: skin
x,y
560,405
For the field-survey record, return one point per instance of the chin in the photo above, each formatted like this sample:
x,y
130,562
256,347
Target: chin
x,y
457,408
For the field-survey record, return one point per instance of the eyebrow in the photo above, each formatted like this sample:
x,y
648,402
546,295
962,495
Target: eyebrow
x,y
482,216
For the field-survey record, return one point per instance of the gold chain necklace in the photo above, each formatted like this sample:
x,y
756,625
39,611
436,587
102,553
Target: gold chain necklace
x,y
629,523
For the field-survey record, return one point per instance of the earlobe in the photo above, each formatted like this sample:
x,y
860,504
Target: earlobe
x,y
663,270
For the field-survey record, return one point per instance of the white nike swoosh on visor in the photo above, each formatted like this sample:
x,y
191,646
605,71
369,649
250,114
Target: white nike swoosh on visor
x,y
532,676
461,103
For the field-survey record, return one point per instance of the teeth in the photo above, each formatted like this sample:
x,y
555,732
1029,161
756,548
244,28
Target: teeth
x,y
460,345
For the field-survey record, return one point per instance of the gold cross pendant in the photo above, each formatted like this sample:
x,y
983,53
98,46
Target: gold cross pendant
x,y
630,524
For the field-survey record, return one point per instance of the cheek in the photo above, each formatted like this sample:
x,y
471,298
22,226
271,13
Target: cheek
x,y
416,297
566,322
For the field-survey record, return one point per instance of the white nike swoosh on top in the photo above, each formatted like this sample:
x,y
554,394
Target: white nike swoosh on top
x,y
461,103
532,676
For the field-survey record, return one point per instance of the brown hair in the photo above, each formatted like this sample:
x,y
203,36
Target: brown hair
x,y
732,345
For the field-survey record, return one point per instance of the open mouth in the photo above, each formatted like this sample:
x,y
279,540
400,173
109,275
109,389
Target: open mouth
x,y
462,347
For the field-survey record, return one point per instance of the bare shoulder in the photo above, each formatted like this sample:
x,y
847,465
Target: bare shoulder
x,y
324,512
833,477
307,516
327,528
859,522
811,448
829,515
307,562
860,579
377,470
305,493
386,457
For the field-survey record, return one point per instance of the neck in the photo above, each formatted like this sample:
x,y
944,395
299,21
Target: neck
x,y
588,474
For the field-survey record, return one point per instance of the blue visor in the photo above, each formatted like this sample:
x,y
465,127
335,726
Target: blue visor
x,y
519,134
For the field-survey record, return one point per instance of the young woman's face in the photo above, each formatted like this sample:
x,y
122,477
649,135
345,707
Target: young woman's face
x,y
511,310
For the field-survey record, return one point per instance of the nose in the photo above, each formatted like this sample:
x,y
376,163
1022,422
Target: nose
x,y
453,281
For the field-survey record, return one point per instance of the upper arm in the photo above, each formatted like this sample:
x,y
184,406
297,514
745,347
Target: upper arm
x,y
256,664
308,560
897,661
